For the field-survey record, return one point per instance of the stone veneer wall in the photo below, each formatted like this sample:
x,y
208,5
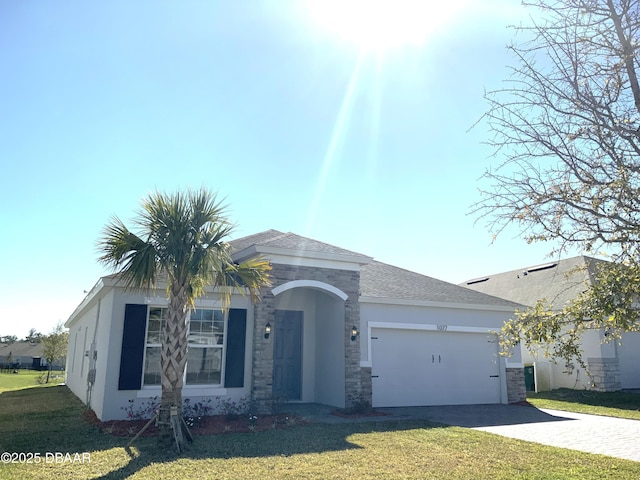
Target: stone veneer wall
x,y
357,383
516,389
605,374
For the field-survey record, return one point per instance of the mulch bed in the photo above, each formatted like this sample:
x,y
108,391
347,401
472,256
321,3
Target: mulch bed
x,y
212,425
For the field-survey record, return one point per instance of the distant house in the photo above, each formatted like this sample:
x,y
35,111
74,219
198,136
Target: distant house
x,y
336,327
613,365
22,355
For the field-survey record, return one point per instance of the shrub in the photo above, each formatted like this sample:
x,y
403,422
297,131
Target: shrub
x,y
232,409
193,413
141,412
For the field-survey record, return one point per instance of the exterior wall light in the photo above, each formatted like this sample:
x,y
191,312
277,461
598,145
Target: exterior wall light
x,y
267,330
354,333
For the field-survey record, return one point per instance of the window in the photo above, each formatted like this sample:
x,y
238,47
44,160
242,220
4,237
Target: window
x,y
155,324
205,337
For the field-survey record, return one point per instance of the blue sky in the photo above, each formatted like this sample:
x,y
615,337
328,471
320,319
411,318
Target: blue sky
x,y
297,124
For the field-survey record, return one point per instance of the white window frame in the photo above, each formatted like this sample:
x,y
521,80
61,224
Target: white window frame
x,y
192,387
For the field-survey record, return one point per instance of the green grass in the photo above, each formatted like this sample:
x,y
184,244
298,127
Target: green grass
x,y
25,379
611,404
49,420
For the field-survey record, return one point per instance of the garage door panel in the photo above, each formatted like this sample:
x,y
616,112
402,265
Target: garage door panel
x,y
629,360
418,367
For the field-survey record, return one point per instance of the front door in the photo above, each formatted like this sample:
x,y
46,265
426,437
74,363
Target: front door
x,y
287,355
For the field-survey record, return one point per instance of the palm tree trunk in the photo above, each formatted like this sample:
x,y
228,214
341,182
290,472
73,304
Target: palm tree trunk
x,y
173,359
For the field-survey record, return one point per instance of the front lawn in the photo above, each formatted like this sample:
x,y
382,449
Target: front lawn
x,y
49,420
27,378
611,404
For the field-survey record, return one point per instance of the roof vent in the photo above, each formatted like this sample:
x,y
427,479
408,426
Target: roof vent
x,y
478,280
541,267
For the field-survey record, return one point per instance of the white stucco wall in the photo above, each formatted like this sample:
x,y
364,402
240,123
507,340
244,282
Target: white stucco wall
x,y
553,375
81,335
330,352
106,400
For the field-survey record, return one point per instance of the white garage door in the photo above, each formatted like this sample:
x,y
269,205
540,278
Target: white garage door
x,y
420,367
629,360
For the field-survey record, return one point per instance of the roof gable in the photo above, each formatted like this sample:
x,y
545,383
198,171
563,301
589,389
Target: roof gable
x,y
289,244
377,280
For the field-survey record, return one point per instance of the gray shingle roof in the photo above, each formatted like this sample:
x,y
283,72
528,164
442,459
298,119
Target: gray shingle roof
x,y
378,280
556,281
290,241
21,349
386,281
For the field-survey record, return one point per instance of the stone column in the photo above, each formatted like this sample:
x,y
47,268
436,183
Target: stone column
x,y
262,366
605,374
352,373
516,388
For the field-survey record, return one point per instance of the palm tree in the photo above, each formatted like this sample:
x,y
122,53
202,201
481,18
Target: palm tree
x,y
181,239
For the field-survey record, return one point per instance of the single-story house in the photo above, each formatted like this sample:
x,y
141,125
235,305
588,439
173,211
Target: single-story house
x,y
22,355
613,365
336,328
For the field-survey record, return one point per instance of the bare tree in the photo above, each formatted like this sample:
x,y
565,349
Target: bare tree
x,y
566,130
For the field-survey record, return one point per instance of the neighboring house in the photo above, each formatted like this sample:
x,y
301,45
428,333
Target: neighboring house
x,y
22,355
335,328
612,365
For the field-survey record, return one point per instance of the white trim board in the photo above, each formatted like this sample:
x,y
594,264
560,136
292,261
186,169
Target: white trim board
x,y
310,284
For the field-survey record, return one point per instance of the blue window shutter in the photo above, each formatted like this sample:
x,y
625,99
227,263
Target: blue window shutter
x,y
133,340
236,335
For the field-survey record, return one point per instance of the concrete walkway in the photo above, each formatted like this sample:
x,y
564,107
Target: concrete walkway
x,y
615,437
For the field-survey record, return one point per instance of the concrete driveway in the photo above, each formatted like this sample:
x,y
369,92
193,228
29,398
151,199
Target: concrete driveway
x,y
615,437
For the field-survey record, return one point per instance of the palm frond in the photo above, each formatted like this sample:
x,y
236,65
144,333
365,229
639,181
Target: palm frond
x,y
185,239
251,275
127,253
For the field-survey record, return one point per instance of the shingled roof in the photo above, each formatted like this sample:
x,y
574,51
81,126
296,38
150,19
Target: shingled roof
x,y
557,281
290,241
21,349
377,280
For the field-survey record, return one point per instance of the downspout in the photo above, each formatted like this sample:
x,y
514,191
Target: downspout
x,y
93,356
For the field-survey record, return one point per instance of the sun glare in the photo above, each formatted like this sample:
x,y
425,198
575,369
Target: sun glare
x,y
383,24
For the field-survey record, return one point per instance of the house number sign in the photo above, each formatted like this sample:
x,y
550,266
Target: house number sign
x,y
442,328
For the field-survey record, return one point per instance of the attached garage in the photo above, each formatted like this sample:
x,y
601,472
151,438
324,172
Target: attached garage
x,y
413,367
430,342
629,360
